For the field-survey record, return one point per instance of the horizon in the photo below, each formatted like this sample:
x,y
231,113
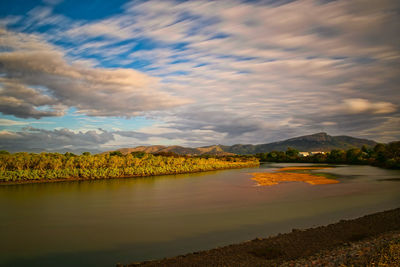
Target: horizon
x,y
94,151
97,76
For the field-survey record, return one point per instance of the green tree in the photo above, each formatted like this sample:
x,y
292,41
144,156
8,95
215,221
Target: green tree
x,y
336,156
380,153
138,154
292,154
353,155
116,153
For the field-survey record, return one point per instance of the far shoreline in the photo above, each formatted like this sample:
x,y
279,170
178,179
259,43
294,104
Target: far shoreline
x,y
77,179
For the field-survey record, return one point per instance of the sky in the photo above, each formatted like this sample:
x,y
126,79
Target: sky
x,y
99,75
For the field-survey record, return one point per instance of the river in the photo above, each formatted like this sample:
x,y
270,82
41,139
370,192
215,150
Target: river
x,y
104,222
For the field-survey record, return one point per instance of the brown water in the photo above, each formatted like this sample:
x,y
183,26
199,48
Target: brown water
x,y
101,223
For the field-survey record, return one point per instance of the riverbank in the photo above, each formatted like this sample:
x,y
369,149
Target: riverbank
x,y
364,241
74,179
21,168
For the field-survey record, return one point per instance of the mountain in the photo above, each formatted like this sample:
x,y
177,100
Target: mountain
x,y
207,150
310,143
314,142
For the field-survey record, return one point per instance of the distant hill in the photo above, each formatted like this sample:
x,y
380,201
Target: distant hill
x,y
310,143
314,142
180,150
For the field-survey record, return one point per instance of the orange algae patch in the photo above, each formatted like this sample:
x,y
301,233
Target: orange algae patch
x,y
268,179
302,168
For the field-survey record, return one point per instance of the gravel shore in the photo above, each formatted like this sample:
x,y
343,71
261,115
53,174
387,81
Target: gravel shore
x,y
371,240
368,252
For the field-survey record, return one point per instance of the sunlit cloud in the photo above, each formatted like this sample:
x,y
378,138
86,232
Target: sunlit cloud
x,y
37,81
212,71
359,105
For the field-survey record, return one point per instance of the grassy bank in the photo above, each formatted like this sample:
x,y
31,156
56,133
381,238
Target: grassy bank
x,y
47,167
366,241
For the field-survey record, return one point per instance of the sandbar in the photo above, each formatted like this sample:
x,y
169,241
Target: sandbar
x,y
269,179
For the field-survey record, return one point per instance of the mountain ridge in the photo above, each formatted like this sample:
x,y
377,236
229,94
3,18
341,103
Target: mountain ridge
x,y
309,143
314,142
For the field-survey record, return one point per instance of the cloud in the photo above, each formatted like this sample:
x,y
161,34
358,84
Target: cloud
x,y
34,139
21,101
359,105
384,131
256,71
6,122
37,81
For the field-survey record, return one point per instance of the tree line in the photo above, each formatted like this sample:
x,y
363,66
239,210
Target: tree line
x,y
47,166
382,155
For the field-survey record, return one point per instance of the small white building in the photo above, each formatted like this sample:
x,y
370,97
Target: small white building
x,y
305,154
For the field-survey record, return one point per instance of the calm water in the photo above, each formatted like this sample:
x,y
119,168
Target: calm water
x,y
101,223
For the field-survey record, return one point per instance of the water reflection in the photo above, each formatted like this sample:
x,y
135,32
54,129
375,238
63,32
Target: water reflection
x,y
103,222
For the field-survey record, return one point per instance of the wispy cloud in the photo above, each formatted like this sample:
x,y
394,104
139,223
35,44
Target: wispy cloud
x,y
255,71
5,122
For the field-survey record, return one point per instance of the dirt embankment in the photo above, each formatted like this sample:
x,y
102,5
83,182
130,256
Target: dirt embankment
x,y
358,242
